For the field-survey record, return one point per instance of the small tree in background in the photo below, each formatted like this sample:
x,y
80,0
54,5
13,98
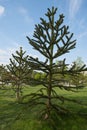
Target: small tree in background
x,y
2,72
80,79
4,76
20,71
52,39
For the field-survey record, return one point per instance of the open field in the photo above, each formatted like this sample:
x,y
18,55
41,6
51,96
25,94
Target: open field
x,y
14,116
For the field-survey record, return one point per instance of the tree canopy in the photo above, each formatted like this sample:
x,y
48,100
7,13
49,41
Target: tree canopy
x,y
52,39
20,71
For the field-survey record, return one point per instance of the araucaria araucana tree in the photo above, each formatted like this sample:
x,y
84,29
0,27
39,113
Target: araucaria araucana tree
x,y
52,39
20,71
4,76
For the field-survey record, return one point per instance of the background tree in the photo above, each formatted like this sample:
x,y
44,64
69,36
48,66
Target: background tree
x,y
52,39
20,71
81,78
79,62
4,76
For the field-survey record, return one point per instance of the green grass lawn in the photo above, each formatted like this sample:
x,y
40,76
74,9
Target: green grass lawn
x,y
14,116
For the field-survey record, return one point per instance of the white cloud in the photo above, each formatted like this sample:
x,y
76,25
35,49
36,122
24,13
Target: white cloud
x,y
2,10
81,35
24,12
7,47
2,51
6,54
3,56
74,7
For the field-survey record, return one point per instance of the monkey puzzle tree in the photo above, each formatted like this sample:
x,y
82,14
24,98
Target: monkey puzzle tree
x,y
20,71
52,39
4,76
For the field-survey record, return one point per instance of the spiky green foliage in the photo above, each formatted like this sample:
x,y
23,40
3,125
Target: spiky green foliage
x,y
20,71
52,39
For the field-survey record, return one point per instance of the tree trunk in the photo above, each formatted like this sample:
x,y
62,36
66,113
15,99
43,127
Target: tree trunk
x,y
48,104
18,93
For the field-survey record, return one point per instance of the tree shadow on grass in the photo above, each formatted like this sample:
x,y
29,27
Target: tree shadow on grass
x,y
15,116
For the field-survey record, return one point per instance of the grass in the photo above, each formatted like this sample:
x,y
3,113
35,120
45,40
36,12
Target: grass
x,y
14,116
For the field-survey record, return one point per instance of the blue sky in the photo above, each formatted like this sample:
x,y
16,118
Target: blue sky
x,y
18,17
